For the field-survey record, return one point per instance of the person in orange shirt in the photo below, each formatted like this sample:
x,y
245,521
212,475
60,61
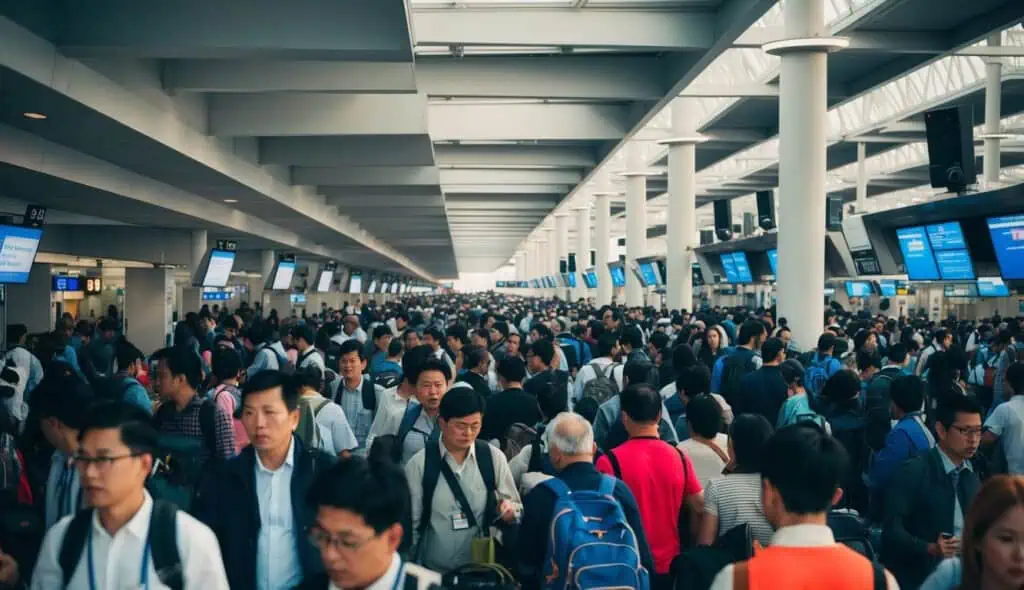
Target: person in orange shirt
x,y
800,479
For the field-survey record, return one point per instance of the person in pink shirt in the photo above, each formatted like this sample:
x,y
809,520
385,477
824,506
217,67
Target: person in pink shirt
x,y
227,370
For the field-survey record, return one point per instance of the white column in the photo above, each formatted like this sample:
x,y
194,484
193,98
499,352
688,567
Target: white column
x,y
802,174
582,249
636,220
549,254
148,304
993,112
862,178
31,303
561,247
682,205
199,242
602,245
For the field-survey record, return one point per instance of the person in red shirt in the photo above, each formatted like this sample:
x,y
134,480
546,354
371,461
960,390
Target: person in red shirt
x,y
660,476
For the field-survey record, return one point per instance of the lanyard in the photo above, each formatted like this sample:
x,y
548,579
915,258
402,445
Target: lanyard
x,y
64,492
398,576
143,576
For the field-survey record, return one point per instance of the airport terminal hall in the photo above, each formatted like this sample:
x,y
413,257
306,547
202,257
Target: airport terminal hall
x,y
512,294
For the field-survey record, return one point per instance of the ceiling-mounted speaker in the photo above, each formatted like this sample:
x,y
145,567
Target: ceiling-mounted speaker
x,y
723,219
834,213
951,148
766,210
707,237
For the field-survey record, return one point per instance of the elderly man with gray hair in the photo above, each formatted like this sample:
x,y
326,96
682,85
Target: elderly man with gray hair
x,y
570,443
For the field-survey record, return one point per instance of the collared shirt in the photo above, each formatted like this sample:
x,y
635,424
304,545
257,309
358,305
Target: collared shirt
x,y
954,475
188,422
116,558
443,547
268,357
63,489
395,575
1007,422
277,561
390,409
312,357
801,535
351,402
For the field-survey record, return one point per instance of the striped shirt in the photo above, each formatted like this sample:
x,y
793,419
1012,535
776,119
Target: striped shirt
x,y
736,499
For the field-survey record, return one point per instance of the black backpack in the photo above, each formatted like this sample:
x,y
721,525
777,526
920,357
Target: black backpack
x,y
163,543
179,474
369,393
112,388
739,363
696,568
387,379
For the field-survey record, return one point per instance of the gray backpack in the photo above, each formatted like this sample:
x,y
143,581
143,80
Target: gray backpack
x,y
603,386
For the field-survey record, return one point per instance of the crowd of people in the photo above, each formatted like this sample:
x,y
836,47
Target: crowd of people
x,y
491,441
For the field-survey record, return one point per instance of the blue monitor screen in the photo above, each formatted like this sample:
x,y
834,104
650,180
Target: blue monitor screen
x,y
992,287
18,247
773,260
946,236
649,273
742,268
888,288
618,276
66,283
954,265
590,278
858,289
572,279
729,266
917,254
1008,239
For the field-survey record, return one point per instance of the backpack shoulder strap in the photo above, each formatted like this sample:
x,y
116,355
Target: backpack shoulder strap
x,y
616,468
485,462
73,544
557,486
431,474
163,527
878,577
208,424
741,576
369,394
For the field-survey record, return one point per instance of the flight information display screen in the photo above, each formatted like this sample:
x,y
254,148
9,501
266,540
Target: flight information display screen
x,y
1008,239
946,236
324,284
649,274
954,265
737,270
888,288
618,275
992,287
590,278
773,260
18,247
218,270
283,278
729,266
858,289
917,254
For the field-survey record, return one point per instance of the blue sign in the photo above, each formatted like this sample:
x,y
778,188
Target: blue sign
x,y
572,280
858,289
888,288
736,268
65,283
18,247
650,275
590,278
917,254
216,295
946,236
729,266
1008,239
992,287
773,260
618,276
954,265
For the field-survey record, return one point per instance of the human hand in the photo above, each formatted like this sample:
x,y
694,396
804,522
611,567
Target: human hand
x,y
507,511
947,546
9,575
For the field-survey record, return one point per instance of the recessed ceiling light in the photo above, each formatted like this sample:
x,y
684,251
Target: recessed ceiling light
x,y
36,116
230,200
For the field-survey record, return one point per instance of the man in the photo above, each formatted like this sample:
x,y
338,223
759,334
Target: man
x,y
908,438
539,359
513,346
744,359
498,336
184,413
477,366
125,527
457,339
308,353
355,391
607,350
631,340
130,364
360,511
511,404
396,400
930,494
433,338
764,390
446,520
350,329
411,339
1006,354
942,339
1006,424
609,429
571,449
660,353
256,503
381,342
821,364
565,339
17,335
417,423
660,476
878,396
62,401
101,350
801,474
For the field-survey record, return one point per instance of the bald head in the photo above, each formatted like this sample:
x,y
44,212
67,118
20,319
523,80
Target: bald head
x,y
571,438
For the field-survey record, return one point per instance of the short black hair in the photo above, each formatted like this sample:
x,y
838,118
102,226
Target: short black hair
x,y
268,379
544,349
381,331
543,331
749,433
375,490
750,330
587,407
866,360
907,392
606,344
550,401
512,369
460,402
434,333
226,364
395,348
957,404
693,381
405,335
133,423
898,353
792,372
183,361
473,356
15,332
64,397
304,332
806,466
771,348
659,340
459,333
841,387
413,360
126,353
433,364
705,416
683,357
310,376
631,335
826,342
1015,377
352,345
641,403
637,372
502,328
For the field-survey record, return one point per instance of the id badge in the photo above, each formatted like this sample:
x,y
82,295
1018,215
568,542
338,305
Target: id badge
x,y
459,521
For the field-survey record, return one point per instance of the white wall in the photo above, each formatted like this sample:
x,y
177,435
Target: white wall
x,y
474,282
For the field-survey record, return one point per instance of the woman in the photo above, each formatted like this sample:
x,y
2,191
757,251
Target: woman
x,y
736,498
992,550
712,346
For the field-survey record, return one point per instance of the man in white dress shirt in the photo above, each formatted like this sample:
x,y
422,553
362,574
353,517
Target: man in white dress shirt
x,y
119,542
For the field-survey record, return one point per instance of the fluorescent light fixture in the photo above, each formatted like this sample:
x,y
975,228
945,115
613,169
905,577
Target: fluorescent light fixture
x,y
827,44
230,200
35,116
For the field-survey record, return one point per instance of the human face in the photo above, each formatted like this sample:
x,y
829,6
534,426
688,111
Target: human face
x,y
871,343
454,343
461,433
609,321
429,341
59,436
534,363
354,555
430,388
1002,551
169,385
350,326
351,365
412,340
384,342
478,341
267,420
513,345
961,439
714,339
109,470
495,336
947,342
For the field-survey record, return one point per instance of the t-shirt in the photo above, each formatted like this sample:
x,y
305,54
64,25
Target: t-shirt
x,y
654,472
706,461
1007,422
736,499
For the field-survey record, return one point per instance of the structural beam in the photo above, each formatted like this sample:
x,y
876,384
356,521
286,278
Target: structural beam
x,y
351,150
292,114
511,176
627,29
367,176
219,75
551,122
928,43
490,189
498,206
514,156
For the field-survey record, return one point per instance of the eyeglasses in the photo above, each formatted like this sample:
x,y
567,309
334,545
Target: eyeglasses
x,y
967,431
103,464
467,428
324,539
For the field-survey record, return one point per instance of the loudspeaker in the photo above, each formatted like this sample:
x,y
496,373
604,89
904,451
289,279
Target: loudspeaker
x,y
951,147
572,262
766,210
723,219
707,237
622,242
593,258
748,224
834,213
563,266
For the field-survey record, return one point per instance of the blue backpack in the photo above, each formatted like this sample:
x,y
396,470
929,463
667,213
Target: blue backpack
x,y
592,545
817,375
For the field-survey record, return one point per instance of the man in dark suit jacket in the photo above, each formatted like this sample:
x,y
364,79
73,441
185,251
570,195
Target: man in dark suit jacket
x,y
477,364
764,390
930,495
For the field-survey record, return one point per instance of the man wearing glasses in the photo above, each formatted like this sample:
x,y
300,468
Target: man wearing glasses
x,y
927,500
360,508
119,542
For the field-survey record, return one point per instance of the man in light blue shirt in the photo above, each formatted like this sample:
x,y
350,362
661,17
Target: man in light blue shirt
x,y
62,403
355,391
270,354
